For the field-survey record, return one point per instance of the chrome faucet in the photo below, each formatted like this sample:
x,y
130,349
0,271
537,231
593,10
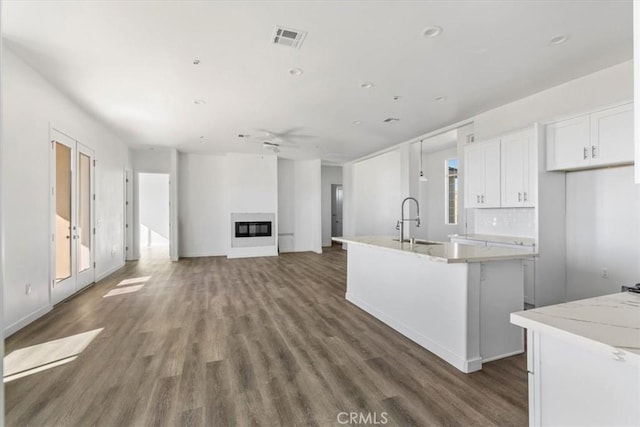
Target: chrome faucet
x,y
400,224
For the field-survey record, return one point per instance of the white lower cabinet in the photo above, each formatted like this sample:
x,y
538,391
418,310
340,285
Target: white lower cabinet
x,y
528,265
576,384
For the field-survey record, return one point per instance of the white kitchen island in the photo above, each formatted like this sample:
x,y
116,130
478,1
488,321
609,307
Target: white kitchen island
x,y
452,299
583,359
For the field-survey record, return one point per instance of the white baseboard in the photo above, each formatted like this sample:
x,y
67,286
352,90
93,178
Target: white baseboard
x,y
502,356
458,361
201,254
15,327
109,272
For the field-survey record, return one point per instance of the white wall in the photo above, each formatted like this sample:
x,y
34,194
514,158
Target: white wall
x,y
330,175
203,207
377,194
299,205
603,231
253,188
1,237
432,196
608,86
31,105
154,202
636,77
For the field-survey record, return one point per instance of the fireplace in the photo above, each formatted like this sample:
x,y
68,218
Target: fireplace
x,y
253,229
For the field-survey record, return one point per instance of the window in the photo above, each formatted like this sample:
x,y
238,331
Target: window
x,y
451,191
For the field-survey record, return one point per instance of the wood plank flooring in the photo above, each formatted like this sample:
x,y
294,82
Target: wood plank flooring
x,y
250,342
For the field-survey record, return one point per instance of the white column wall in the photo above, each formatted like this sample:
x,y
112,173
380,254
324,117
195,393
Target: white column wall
x,y
253,188
308,216
203,208
299,205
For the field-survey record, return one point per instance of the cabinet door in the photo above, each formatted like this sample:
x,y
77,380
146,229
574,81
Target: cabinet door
x,y
473,175
530,196
514,168
491,196
612,136
529,281
569,144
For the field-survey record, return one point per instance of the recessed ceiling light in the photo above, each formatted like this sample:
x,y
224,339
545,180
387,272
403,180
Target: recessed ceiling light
x,y
199,101
356,122
397,97
440,98
559,39
366,85
391,120
196,62
432,31
296,71
243,135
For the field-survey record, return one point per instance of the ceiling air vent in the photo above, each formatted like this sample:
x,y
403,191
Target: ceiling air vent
x,y
288,37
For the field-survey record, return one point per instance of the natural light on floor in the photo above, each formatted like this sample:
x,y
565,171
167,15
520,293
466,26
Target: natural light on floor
x,y
141,279
40,357
120,291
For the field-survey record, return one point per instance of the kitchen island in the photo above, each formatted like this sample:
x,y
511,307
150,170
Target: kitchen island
x,y
583,359
452,299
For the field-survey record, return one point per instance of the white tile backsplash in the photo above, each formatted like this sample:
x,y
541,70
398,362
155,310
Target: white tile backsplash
x,y
518,222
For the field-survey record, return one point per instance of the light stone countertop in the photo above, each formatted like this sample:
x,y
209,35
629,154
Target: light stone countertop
x,y
511,240
610,322
442,252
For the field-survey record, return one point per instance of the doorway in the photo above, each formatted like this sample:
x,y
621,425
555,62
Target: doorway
x,y
336,210
153,208
72,207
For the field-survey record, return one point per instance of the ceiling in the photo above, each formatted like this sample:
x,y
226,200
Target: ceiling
x,y
130,64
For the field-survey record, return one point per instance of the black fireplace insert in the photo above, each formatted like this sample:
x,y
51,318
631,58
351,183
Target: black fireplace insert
x,y
253,229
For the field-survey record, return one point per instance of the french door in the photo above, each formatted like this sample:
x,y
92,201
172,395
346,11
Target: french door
x,y
72,216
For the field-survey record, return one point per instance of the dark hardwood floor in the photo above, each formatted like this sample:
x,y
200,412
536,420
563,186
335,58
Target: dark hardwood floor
x,y
261,341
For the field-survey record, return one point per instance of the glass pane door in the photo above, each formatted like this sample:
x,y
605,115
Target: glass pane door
x,y
84,236
84,205
72,204
63,232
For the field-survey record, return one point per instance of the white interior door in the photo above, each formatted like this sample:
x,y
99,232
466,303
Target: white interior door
x,y
336,210
72,217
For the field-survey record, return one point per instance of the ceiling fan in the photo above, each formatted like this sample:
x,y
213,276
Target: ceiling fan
x,y
266,144
287,137
273,141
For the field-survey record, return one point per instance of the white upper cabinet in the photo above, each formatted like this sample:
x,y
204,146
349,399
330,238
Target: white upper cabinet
x,y
612,136
518,170
602,138
482,174
568,144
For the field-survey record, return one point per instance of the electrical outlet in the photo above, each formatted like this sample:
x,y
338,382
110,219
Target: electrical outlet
x,y
27,288
605,273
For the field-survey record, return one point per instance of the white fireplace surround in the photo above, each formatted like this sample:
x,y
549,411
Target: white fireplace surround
x,y
253,242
